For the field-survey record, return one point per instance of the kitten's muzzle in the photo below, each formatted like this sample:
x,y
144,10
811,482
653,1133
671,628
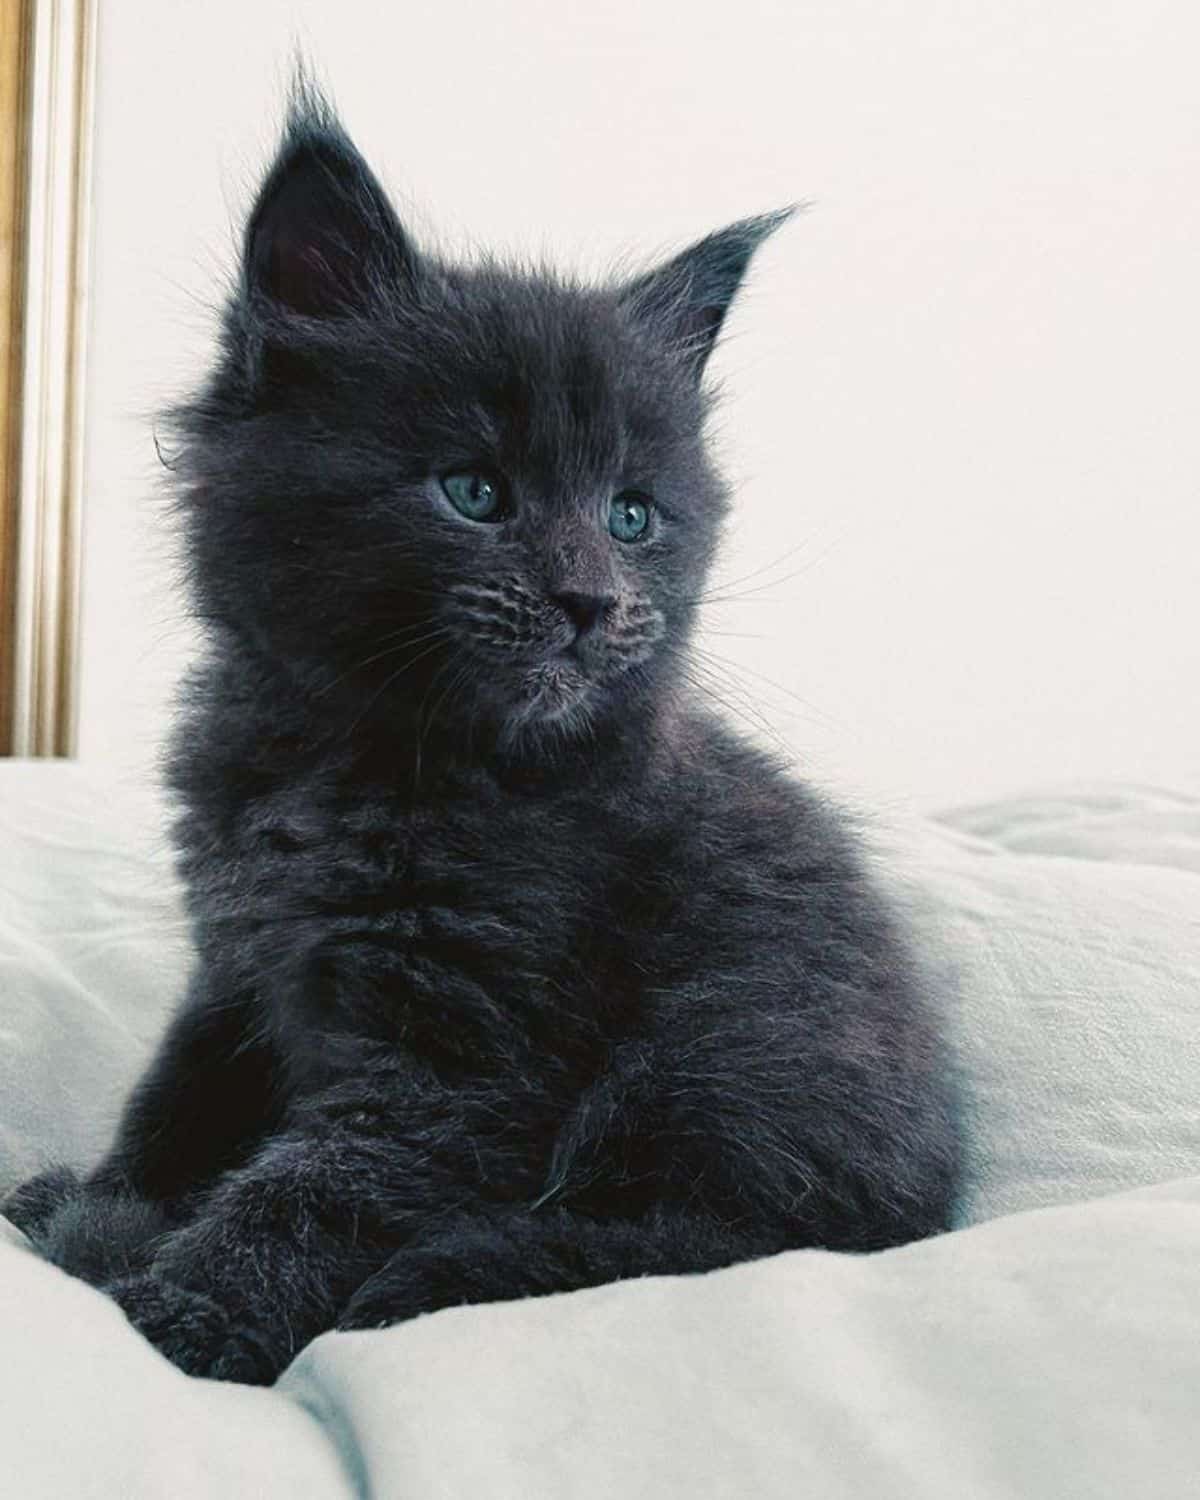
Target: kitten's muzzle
x,y
585,611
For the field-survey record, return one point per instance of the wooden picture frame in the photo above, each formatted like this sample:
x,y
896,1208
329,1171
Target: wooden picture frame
x,y
47,51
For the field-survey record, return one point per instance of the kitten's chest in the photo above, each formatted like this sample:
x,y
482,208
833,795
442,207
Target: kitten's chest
x,y
493,870
478,919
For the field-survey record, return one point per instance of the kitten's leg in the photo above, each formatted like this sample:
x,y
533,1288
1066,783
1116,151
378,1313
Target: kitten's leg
x,y
532,1252
206,1093
681,1124
263,1267
746,1151
206,1097
281,1242
32,1205
733,1121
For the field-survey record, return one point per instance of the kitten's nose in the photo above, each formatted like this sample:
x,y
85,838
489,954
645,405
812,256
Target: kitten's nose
x,y
585,611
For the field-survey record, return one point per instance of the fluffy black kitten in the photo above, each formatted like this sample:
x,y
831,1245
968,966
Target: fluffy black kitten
x,y
517,969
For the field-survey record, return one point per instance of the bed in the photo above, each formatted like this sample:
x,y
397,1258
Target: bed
x,y
1049,1346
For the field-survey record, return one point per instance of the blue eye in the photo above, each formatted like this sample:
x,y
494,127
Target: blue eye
x,y
479,497
628,515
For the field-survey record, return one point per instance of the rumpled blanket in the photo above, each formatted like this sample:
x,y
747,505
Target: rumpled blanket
x,y
1047,1355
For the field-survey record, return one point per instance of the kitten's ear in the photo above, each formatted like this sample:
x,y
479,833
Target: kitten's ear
x,y
322,236
686,299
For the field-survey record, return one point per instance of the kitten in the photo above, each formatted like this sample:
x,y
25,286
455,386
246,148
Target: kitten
x,y
517,969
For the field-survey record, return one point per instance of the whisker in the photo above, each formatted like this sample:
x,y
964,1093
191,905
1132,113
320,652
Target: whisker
x,y
743,707
722,596
699,677
387,682
394,650
424,725
737,635
769,583
778,686
729,583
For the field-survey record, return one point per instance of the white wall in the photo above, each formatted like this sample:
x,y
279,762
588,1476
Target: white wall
x,y
966,381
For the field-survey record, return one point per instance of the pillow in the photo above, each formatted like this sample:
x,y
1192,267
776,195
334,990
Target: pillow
x,y
93,953
1063,934
1065,937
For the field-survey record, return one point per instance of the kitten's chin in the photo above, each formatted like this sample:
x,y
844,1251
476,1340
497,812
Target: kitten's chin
x,y
554,689
554,695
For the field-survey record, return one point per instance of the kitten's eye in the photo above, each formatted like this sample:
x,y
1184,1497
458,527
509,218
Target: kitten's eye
x,y
628,515
479,497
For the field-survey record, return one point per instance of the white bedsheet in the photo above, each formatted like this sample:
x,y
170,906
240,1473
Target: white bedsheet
x,y
1050,1355
1050,1352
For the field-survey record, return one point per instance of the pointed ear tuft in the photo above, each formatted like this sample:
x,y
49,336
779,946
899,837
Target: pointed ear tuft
x,y
322,236
687,298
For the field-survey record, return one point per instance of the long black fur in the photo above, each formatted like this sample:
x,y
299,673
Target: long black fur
x,y
517,969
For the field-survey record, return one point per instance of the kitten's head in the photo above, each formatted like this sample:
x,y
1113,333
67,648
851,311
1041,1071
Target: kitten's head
x,y
477,495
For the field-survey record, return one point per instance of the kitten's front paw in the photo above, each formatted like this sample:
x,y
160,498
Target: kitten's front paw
x,y
91,1232
100,1236
31,1206
193,1331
